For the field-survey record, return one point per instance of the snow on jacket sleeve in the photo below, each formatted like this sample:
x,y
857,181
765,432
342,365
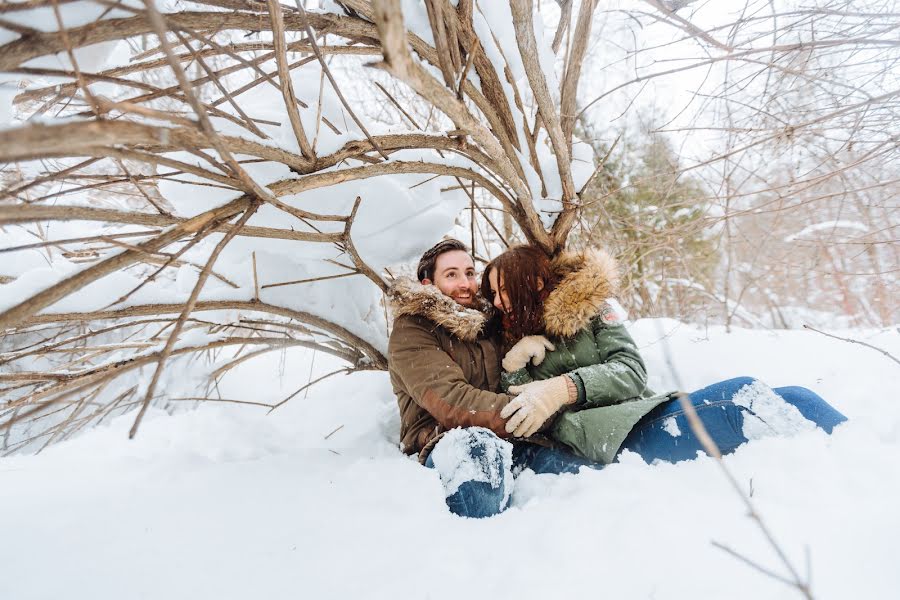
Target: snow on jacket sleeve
x,y
620,374
437,383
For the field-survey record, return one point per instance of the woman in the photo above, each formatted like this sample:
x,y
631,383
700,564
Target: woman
x,y
584,382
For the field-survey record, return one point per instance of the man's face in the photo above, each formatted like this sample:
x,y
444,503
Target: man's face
x,y
454,275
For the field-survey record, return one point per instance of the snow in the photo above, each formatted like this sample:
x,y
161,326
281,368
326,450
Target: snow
x,y
316,501
617,309
76,14
671,427
771,414
827,225
8,92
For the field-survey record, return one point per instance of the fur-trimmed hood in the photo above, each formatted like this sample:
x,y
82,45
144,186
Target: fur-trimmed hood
x,y
587,279
409,297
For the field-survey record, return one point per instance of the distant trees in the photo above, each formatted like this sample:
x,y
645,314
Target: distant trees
x,y
656,221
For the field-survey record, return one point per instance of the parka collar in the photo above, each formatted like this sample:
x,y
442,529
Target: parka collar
x,y
587,279
409,297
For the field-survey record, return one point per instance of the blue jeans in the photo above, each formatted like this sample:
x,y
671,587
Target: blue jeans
x,y
664,432
731,411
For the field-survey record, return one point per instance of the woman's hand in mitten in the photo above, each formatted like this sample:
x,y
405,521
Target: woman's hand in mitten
x,y
530,347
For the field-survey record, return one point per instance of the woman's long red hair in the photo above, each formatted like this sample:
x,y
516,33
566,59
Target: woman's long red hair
x,y
520,269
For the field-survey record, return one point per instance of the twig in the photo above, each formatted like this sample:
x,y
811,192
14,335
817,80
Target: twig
x,y
398,106
600,164
524,27
310,280
284,76
563,26
337,90
335,431
249,124
852,341
753,564
255,280
311,383
206,399
347,244
92,238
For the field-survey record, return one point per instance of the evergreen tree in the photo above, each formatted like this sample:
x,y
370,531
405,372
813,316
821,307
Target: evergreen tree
x,y
654,219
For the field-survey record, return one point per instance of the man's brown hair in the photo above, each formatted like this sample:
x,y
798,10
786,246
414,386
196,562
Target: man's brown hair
x,y
425,269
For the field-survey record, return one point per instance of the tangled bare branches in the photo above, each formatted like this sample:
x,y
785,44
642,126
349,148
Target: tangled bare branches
x,y
206,182
182,112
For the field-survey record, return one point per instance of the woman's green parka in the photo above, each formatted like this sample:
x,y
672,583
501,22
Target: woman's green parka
x,y
593,346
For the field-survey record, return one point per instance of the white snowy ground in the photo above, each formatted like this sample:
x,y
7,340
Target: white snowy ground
x,y
226,502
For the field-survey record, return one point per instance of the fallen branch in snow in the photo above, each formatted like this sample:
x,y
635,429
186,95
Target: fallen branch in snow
x,y
852,341
713,450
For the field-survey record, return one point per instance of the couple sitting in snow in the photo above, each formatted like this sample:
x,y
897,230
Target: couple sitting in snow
x,y
535,369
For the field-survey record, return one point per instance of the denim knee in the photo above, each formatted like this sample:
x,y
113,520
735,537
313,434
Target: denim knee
x,y
543,459
478,500
812,406
723,390
474,466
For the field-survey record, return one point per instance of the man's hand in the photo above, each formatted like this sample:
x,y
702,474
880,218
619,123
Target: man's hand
x,y
530,347
536,402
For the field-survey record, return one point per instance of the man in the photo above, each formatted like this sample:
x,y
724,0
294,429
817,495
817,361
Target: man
x,y
445,369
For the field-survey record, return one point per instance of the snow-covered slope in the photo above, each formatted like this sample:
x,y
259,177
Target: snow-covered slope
x,y
315,501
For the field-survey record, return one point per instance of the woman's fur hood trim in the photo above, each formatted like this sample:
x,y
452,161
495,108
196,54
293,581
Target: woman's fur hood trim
x,y
409,297
587,279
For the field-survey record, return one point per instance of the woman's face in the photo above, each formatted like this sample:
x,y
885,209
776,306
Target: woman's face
x,y
501,300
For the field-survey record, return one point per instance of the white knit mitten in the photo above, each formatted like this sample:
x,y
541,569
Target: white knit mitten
x,y
530,347
536,402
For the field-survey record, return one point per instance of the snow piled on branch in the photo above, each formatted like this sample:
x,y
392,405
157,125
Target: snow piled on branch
x,y
399,217
827,226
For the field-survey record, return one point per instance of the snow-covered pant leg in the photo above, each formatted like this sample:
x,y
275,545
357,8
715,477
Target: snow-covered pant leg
x,y
474,465
664,432
812,406
542,459
733,412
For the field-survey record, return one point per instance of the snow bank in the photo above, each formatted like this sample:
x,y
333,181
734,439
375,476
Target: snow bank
x,y
315,500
